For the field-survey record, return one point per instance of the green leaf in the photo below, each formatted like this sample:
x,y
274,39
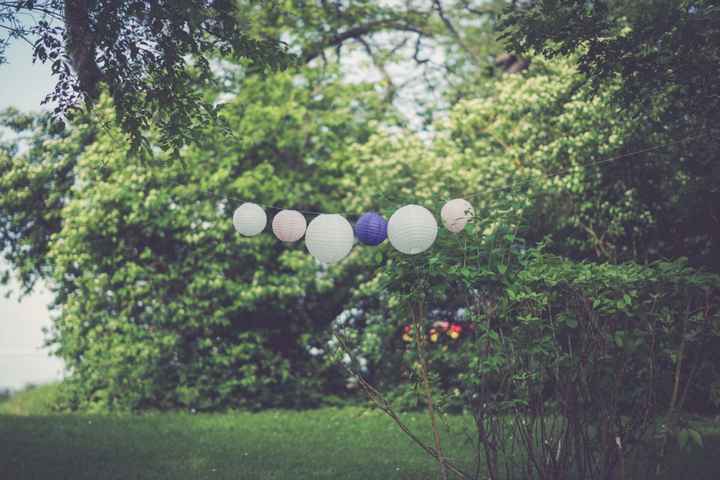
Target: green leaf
x,y
682,438
696,437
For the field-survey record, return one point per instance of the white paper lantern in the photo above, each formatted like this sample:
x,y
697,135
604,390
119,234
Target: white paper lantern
x,y
456,213
329,238
289,225
412,229
249,219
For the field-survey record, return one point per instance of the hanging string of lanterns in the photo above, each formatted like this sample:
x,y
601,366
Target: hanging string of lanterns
x,y
412,229
329,238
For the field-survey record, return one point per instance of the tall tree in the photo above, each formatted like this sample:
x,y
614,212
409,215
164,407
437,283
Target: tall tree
x,y
150,55
422,53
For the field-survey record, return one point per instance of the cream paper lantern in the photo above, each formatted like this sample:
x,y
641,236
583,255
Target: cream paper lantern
x,y
329,238
289,225
412,229
456,213
249,219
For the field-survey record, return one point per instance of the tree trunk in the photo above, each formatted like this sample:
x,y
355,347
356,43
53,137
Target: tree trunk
x,y
81,48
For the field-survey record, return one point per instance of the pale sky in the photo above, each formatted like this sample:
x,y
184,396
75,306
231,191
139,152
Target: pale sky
x,y
22,358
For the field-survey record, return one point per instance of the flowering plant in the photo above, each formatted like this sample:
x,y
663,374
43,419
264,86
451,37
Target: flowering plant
x,y
434,334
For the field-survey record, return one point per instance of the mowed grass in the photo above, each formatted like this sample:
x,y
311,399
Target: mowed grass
x,y
330,443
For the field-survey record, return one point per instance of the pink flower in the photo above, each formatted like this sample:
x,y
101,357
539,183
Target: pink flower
x,y
442,325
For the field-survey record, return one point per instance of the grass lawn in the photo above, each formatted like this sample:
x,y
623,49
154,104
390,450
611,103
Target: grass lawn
x,y
347,443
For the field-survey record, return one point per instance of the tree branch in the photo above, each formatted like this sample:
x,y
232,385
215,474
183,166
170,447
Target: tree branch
x,y
315,50
451,28
390,90
18,33
380,402
19,6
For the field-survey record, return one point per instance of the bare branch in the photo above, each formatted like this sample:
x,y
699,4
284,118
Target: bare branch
x,y
390,90
451,28
381,403
416,53
478,11
315,50
17,33
21,7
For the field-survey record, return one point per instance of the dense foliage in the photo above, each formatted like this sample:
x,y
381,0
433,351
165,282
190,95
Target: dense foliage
x,y
506,325
155,57
162,304
664,53
566,366
565,153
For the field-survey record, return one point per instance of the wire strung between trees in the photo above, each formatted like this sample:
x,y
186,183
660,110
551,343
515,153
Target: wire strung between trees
x,y
501,189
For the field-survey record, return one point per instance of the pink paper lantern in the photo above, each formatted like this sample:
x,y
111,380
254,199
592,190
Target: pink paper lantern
x,y
289,225
456,213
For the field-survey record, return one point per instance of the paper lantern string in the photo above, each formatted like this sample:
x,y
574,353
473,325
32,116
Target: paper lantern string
x,y
412,229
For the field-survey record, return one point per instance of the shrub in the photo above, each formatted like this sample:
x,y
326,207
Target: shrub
x,y
566,366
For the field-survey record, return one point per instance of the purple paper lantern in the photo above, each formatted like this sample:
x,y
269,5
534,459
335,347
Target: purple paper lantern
x,y
371,229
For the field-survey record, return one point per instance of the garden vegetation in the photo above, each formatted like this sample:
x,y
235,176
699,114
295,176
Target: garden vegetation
x,y
575,321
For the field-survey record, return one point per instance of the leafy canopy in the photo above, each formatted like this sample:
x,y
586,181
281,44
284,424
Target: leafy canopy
x,y
150,56
162,304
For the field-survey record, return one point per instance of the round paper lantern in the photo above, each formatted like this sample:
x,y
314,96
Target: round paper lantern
x,y
249,219
289,225
412,229
371,229
329,238
456,213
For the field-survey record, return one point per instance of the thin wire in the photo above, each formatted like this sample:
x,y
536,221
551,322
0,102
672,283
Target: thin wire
x,y
509,187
